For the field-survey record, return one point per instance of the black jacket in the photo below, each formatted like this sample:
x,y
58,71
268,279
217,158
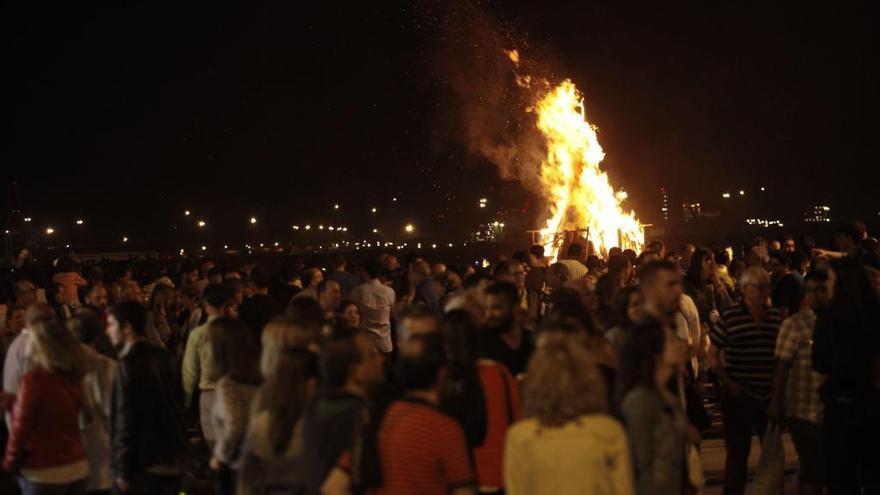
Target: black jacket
x,y
146,421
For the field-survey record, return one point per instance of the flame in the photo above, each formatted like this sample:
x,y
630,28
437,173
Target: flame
x,y
577,190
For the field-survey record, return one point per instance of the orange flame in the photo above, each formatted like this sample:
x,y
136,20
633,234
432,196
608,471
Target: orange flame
x,y
577,190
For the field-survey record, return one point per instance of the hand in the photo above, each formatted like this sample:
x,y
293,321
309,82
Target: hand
x,y
123,485
215,464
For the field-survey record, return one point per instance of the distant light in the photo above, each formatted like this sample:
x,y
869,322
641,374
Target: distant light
x,y
201,224
204,248
336,206
67,245
181,252
375,231
409,228
826,208
226,246
419,245
394,200
253,220
308,227
763,189
502,225
331,228
433,246
79,222
187,214
497,223
125,239
374,210
450,244
320,227
27,219
276,244
742,193
261,244
50,231
726,195
296,227
345,229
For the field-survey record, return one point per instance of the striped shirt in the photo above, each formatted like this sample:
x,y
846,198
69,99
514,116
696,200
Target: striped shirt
x,y
422,451
748,347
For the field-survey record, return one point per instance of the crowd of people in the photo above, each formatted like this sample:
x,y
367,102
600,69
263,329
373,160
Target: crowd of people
x,y
581,375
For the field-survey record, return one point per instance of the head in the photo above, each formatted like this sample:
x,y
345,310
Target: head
x,y
659,247
576,252
25,292
422,365
461,336
847,238
501,301
131,291
53,348
283,396
86,326
350,360
15,319
339,262
512,272
627,306
562,381
755,286
418,270
417,321
126,322
438,269
701,266
220,301
537,252
238,289
660,285
234,350
620,268
351,315
96,297
451,281
817,289
788,244
373,270
329,295
557,276
261,280
311,277
779,264
283,333
649,352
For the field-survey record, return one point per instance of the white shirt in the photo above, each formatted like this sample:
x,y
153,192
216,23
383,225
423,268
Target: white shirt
x,y
375,301
576,269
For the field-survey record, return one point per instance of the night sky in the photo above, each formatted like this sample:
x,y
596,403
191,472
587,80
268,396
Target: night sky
x,y
126,114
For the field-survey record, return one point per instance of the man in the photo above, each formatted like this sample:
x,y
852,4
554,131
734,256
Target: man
x,y
657,246
417,321
25,292
146,431
513,272
421,449
788,244
346,280
290,283
96,298
504,339
336,424
258,309
419,275
374,301
796,385
438,269
576,269
311,277
16,362
198,363
329,297
786,293
743,346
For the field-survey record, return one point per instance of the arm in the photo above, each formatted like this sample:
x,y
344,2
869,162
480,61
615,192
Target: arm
x,y
191,368
337,482
455,460
640,416
786,348
23,424
122,424
718,338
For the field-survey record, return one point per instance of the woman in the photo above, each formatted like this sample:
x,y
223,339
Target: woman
x,y
159,329
655,421
704,286
272,448
282,334
567,444
627,311
236,367
482,394
45,447
97,387
349,315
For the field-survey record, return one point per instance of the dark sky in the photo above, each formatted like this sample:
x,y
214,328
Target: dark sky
x,y
128,113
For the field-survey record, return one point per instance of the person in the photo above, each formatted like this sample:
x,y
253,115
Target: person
x,y
743,346
349,315
619,275
796,386
147,434
702,284
236,357
160,328
14,326
284,333
846,348
375,301
25,292
788,244
96,298
70,281
566,443
198,365
423,285
16,362
272,455
45,447
347,281
422,450
329,297
655,422
627,311
336,426
513,272
503,338
576,269
311,277
258,309
88,329
786,294
483,395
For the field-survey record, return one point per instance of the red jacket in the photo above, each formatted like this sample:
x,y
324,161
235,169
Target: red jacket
x,y
45,423
502,409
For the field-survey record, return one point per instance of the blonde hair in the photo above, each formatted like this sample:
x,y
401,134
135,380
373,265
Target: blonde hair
x,y
280,334
54,348
562,382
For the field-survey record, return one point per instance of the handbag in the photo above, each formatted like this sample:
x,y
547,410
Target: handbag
x,y
771,465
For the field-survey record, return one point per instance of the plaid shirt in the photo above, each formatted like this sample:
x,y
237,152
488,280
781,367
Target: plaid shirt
x,y
793,350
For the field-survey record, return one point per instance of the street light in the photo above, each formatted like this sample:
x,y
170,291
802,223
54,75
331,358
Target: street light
x,y
186,213
726,195
253,220
79,222
409,228
336,206
374,210
124,239
375,231
27,219
201,224
50,231
742,193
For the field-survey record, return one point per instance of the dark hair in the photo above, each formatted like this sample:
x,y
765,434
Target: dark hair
x,y
850,230
474,279
783,258
656,246
652,269
260,277
638,358
66,264
594,262
234,350
694,273
373,268
621,306
463,396
218,295
337,260
462,341
338,354
537,251
506,290
617,264
307,275
520,256
818,276
306,310
131,313
575,250
569,308
420,361
86,326
16,290
10,312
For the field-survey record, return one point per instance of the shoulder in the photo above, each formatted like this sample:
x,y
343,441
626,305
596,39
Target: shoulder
x,y
640,399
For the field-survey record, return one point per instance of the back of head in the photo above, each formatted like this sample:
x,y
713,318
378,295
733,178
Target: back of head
x,y
652,270
261,278
281,334
86,326
421,359
235,351
338,261
462,340
520,256
537,251
38,312
283,397
306,309
638,358
575,251
339,353
373,269
753,275
618,264
218,295
131,313
54,348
